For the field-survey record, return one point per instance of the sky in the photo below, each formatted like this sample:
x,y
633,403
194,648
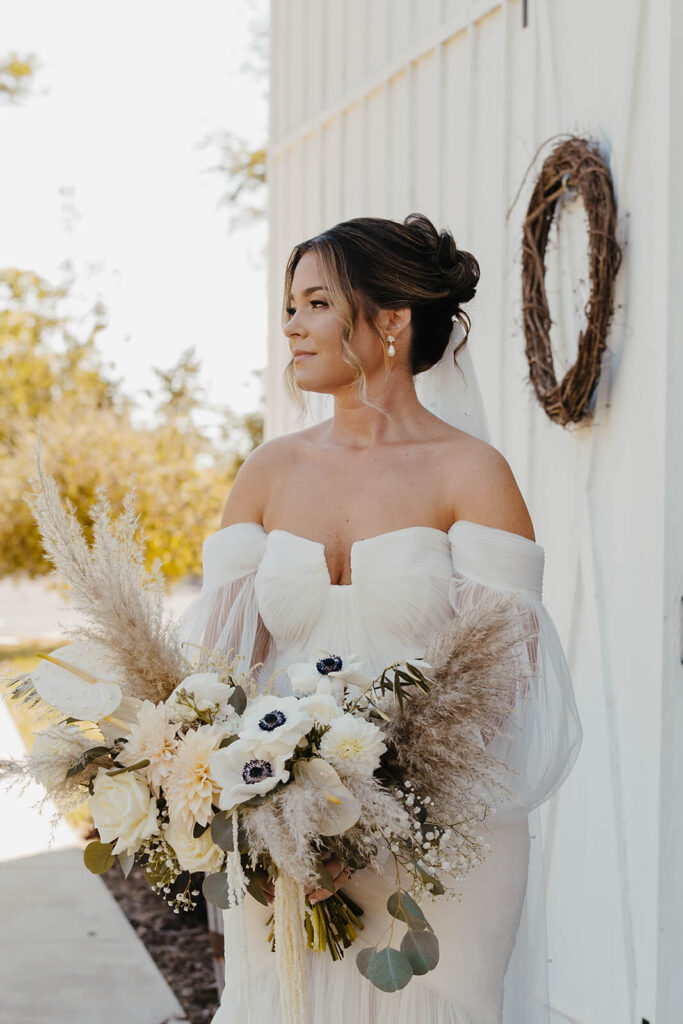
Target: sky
x,y
103,166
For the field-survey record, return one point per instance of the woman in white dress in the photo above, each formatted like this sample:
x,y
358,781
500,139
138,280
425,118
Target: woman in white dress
x,y
364,534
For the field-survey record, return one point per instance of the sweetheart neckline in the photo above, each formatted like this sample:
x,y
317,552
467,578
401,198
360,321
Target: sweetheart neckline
x,y
354,544
509,534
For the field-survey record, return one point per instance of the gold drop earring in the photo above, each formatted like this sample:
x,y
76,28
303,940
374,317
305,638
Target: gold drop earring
x,y
391,350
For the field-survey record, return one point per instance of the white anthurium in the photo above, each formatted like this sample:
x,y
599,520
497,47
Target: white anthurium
x,y
278,722
78,680
122,721
343,810
246,769
327,672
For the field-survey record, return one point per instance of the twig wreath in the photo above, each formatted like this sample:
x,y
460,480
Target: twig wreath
x,y
575,164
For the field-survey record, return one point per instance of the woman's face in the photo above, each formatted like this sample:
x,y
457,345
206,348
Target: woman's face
x,y
314,331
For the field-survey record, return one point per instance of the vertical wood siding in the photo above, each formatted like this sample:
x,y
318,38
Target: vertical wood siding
x,y
383,107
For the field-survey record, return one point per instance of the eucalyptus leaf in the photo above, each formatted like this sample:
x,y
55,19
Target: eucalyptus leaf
x,y
437,888
221,833
199,830
226,741
82,762
255,889
363,959
238,700
401,906
324,877
389,970
126,860
422,950
98,857
215,889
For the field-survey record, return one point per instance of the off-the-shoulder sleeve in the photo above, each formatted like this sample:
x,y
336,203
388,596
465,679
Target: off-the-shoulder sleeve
x,y
540,741
224,616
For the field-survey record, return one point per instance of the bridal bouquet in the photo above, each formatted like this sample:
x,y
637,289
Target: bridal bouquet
x,y
187,766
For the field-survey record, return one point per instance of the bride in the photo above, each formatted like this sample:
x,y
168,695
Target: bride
x,y
365,533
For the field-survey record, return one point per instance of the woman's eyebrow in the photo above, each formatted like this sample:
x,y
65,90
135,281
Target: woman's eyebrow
x,y
309,291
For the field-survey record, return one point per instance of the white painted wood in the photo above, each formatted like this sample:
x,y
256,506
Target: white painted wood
x,y
388,106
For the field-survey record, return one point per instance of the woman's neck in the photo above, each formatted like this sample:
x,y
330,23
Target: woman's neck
x,y
358,425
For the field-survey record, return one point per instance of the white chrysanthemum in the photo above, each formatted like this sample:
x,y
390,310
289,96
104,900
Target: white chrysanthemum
x,y
322,707
189,786
352,746
279,722
152,737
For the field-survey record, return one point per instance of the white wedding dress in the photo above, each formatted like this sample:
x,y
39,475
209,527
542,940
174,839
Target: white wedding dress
x,y
269,596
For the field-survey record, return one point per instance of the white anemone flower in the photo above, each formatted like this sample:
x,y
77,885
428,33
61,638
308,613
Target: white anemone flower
x,y
328,673
322,707
154,738
279,722
189,786
352,746
246,769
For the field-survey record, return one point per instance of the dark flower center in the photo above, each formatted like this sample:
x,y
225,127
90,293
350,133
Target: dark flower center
x,y
256,771
326,665
272,721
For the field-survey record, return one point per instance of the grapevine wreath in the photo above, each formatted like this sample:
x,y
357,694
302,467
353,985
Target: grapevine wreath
x,y
575,164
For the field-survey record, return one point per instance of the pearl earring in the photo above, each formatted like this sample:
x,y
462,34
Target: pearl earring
x,y
391,350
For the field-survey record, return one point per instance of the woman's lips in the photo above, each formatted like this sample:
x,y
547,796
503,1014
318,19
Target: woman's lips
x,y
303,355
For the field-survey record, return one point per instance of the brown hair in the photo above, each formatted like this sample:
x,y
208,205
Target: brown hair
x,y
370,264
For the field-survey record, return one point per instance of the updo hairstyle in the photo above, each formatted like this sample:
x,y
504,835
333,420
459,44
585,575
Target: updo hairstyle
x,y
371,264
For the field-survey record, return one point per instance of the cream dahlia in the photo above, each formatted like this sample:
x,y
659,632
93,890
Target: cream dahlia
x,y
189,786
352,746
153,737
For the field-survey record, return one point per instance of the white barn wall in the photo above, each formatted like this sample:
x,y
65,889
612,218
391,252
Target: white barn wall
x,y
381,108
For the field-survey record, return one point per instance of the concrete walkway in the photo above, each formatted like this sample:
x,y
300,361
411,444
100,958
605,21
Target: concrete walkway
x,y
67,952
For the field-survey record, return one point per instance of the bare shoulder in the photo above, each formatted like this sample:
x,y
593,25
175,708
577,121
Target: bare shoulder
x,y
484,489
248,494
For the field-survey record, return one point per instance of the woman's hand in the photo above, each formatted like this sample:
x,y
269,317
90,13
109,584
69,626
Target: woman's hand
x,y
341,873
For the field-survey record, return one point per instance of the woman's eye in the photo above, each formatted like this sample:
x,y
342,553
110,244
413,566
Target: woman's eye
x,y
314,302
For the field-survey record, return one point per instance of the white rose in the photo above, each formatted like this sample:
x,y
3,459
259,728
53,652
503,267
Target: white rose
x,y
194,854
322,707
124,809
206,688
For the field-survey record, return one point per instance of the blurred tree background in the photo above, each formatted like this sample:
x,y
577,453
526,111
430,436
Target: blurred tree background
x,y
55,383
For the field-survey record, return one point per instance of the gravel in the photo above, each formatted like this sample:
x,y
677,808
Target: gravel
x,y
178,943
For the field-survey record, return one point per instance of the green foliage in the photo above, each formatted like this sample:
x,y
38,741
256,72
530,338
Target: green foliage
x,y
98,857
55,383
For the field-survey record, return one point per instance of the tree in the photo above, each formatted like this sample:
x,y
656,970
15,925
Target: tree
x,y
57,385
244,166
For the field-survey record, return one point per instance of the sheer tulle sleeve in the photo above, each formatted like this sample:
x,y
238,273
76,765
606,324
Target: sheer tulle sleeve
x,y
540,740
224,616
